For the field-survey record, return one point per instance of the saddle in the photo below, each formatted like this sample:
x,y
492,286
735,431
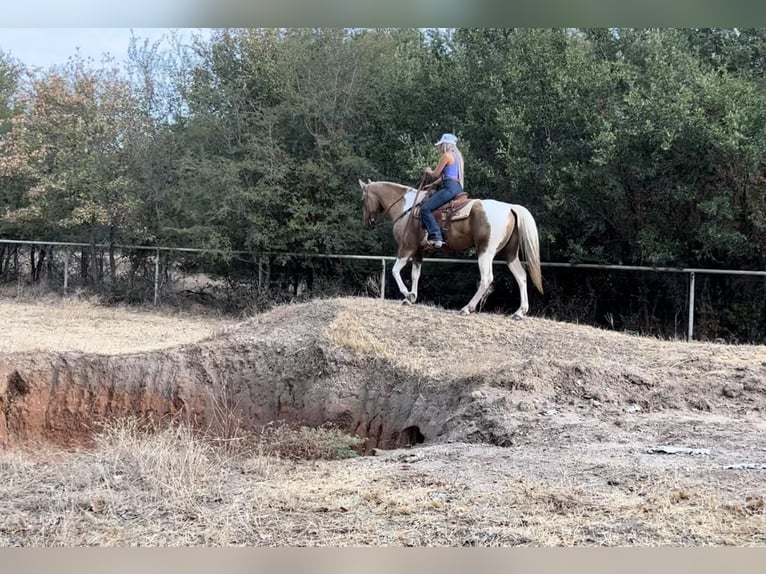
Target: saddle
x,y
456,209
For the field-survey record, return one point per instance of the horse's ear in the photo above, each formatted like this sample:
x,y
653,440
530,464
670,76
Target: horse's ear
x,y
363,185
369,181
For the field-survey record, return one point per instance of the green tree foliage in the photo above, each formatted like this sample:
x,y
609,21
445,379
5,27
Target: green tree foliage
x,y
633,146
71,144
281,124
11,191
614,137
9,73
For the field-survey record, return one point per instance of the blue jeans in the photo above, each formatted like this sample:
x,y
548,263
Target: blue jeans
x,y
449,190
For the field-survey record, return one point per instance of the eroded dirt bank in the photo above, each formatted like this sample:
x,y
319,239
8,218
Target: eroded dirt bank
x,y
396,375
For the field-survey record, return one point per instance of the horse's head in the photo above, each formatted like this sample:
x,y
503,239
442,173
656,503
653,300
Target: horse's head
x,y
371,205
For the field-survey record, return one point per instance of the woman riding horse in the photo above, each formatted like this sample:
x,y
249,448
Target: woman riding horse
x,y
490,227
450,170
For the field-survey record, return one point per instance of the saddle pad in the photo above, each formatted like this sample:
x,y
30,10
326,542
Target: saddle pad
x,y
464,211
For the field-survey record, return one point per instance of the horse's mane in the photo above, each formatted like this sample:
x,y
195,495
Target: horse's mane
x,y
399,185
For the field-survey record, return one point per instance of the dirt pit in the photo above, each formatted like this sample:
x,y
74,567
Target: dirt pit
x,y
484,431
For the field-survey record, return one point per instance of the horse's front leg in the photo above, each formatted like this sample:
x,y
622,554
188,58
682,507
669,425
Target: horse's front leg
x,y
396,272
417,264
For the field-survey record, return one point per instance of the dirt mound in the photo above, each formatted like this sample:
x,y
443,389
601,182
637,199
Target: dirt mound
x,y
396,375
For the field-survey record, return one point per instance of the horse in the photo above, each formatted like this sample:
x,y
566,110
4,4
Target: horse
x,y
491,227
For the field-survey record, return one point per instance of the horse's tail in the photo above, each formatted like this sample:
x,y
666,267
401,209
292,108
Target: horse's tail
x,y
530,243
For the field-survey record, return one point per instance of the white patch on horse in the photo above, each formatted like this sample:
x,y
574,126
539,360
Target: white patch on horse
x,y
409,198
497,215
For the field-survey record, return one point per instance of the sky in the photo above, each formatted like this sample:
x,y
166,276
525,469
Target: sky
x,y
46,47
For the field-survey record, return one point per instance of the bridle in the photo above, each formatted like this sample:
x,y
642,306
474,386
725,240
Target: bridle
x,y
380,200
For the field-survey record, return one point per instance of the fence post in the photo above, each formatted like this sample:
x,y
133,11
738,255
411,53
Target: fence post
x,y
157,277
66,270
383,279
690,331
18,274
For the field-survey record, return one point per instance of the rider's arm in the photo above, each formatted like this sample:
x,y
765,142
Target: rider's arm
x,y
443,161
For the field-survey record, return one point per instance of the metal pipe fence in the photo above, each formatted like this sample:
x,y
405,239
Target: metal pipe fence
x,y
158,250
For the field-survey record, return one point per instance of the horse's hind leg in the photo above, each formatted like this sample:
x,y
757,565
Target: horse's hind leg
x,y
511,253
485,269
520,274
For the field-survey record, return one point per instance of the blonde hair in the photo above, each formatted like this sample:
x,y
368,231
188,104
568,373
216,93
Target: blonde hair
x,y
448,147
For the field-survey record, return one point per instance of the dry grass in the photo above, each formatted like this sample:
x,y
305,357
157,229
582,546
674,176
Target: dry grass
x,y
580,476
418,337
291,441
64,324
547,358
171,488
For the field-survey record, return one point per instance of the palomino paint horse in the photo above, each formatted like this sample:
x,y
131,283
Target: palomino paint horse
x,y
491,227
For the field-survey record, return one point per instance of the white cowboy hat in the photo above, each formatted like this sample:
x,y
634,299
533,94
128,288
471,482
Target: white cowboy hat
x,y
448,139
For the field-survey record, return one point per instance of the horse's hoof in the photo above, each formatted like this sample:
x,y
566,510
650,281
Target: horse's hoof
x,y
411,297
465,311
517,316
406,302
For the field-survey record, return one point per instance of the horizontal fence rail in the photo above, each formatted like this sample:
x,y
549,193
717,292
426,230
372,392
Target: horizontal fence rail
x,y
692,272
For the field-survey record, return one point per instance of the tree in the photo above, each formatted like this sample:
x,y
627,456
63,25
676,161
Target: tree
x,y
69,144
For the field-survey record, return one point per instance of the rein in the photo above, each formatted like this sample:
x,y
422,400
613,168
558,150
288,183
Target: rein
x,y
382,215
409,211
420,187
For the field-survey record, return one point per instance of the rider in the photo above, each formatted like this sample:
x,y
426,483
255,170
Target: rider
x,y
450,170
